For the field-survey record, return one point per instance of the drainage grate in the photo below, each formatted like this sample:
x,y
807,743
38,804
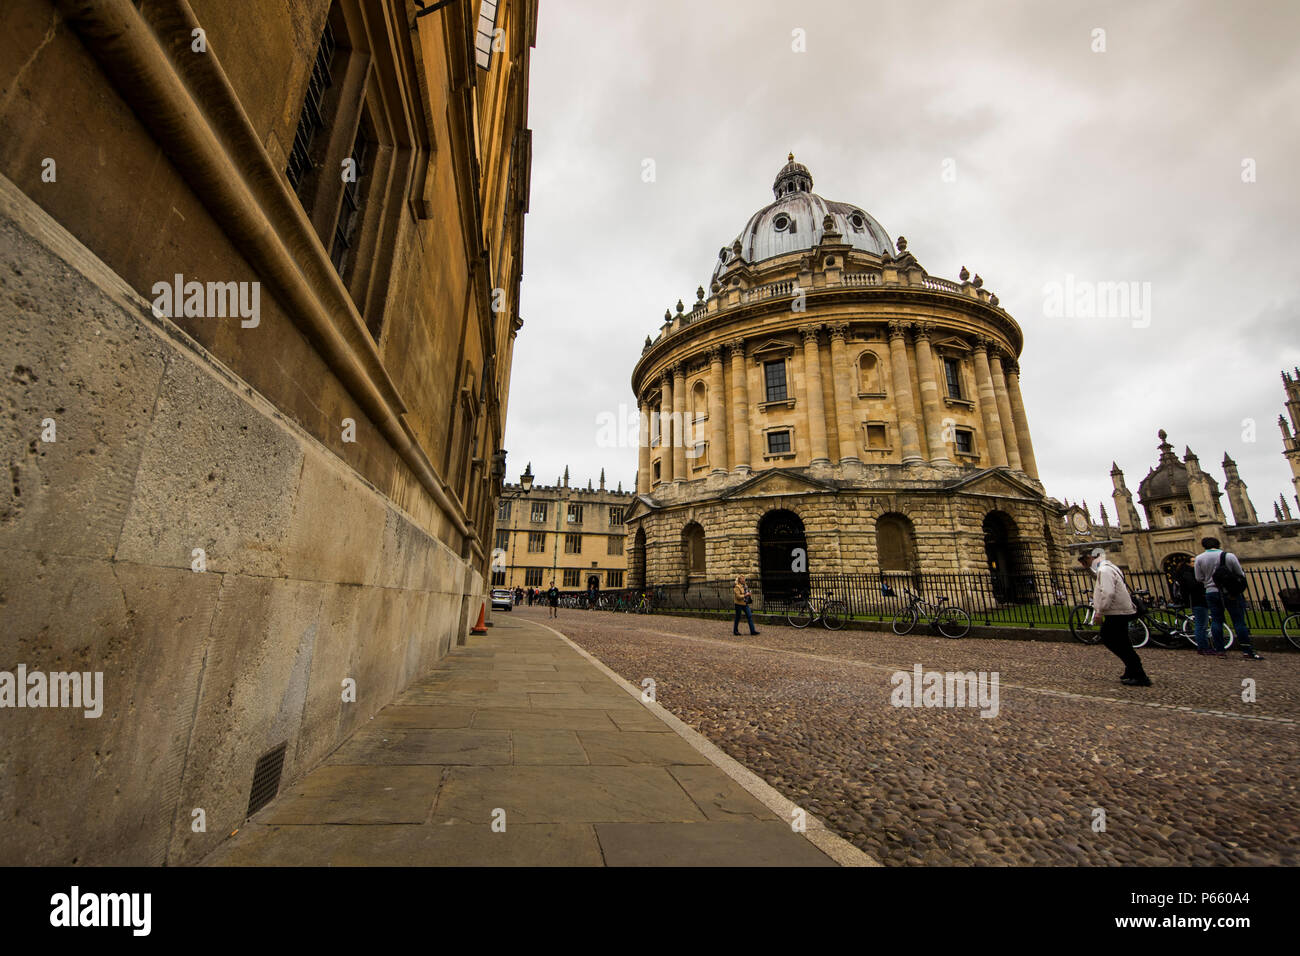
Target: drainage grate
x,y
266,779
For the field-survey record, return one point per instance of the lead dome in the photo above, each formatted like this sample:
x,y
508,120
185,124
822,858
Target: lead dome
x,y
796,222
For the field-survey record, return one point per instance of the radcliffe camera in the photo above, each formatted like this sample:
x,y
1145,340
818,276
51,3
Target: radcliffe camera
x,y
664,435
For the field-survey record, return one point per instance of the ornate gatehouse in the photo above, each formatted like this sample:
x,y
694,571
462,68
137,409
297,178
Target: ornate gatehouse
x,y
831,407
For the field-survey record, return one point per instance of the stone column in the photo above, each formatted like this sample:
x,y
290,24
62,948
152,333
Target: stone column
x,y
989,405
1021,422
739,406
1004,409
643,466
846,427
665,426
679,423
903,401
717,414
812,371
936,440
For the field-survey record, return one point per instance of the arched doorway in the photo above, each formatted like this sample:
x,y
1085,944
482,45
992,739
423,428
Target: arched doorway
x,y
782,555
1007,557
636,568
693,550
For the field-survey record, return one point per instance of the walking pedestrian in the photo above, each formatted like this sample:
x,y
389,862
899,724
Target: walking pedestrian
x,y
553,599
1219,572
1113,609
744,599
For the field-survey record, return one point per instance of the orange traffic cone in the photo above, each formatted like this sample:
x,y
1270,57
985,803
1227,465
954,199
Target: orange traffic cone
x,y
481,626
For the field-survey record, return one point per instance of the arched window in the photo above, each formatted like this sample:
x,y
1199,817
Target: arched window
x,y
869,374
699,401
895,543
693,548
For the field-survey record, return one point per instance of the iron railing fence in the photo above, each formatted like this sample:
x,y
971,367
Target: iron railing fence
x,y
1038,599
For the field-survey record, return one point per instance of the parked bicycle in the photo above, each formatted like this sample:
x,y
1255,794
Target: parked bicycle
x,y
1088,631
951,620
832,613
1291,630
1170,625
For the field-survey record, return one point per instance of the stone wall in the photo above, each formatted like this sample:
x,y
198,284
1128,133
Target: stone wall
x,y
312,576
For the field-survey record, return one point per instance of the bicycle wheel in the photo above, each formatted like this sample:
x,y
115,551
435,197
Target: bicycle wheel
x,y
835,614
905,620
1138,633
1082,626
1291,630
1166,627
953,622
801,615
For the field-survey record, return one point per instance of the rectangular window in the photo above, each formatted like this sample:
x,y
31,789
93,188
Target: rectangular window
x,y
575,514
952,372
484,40
533,577
503,540
503,509
539,511
615,545
876,436
350,213
613,579
573,544
536,542
615,517
778,443
774,379
700,459
965,441
571,577
656,471
498,579
312,118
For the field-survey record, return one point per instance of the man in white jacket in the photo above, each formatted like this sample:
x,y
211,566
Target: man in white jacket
x,y
1113,609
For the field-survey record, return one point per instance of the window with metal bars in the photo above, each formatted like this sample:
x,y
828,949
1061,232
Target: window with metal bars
x,y
487,21
350,212
778,443
311,118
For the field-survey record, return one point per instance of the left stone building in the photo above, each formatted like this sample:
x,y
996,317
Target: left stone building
x,y
259,276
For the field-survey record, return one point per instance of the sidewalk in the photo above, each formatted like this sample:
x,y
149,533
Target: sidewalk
x,y
517,721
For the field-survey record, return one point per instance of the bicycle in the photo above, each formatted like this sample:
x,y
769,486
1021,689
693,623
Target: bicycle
x,y
1290,630
833,613
1087,631
951,620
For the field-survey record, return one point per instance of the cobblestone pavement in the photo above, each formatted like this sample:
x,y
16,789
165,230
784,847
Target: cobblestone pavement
x,y
1186,772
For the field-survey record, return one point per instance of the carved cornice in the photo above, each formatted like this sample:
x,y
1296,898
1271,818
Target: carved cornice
x,y
1011,367
809,333
736,347
897,330
715,354
839,332
921,331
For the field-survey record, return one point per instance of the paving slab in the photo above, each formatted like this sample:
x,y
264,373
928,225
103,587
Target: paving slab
x,y
718,844
442,747
623,747
422,716
358,795
548,748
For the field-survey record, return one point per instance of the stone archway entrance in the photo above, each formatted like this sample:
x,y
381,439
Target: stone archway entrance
x,y
1008,558
782,555
636,567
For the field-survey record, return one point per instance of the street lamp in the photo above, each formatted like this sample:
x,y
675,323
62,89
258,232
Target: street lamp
x,y
526,479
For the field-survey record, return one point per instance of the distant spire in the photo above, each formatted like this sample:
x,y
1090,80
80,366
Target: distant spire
x,y
602,479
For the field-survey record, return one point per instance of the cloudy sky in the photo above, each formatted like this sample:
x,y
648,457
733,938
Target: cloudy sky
x,y
1117,166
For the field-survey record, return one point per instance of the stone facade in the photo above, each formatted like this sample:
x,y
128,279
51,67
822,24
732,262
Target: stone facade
x,y
559,533
1181,504
829,375
236,516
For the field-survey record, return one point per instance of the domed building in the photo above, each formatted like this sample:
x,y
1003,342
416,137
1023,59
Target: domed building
x,y
831,406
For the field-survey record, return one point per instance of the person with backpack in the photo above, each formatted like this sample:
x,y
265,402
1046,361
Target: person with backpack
x,y
1191,594
1219,572
744,599
1113,609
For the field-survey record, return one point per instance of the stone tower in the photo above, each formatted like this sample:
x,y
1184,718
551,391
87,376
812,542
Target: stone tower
x,y
1202,489
1291,436
1243,512
1125,511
